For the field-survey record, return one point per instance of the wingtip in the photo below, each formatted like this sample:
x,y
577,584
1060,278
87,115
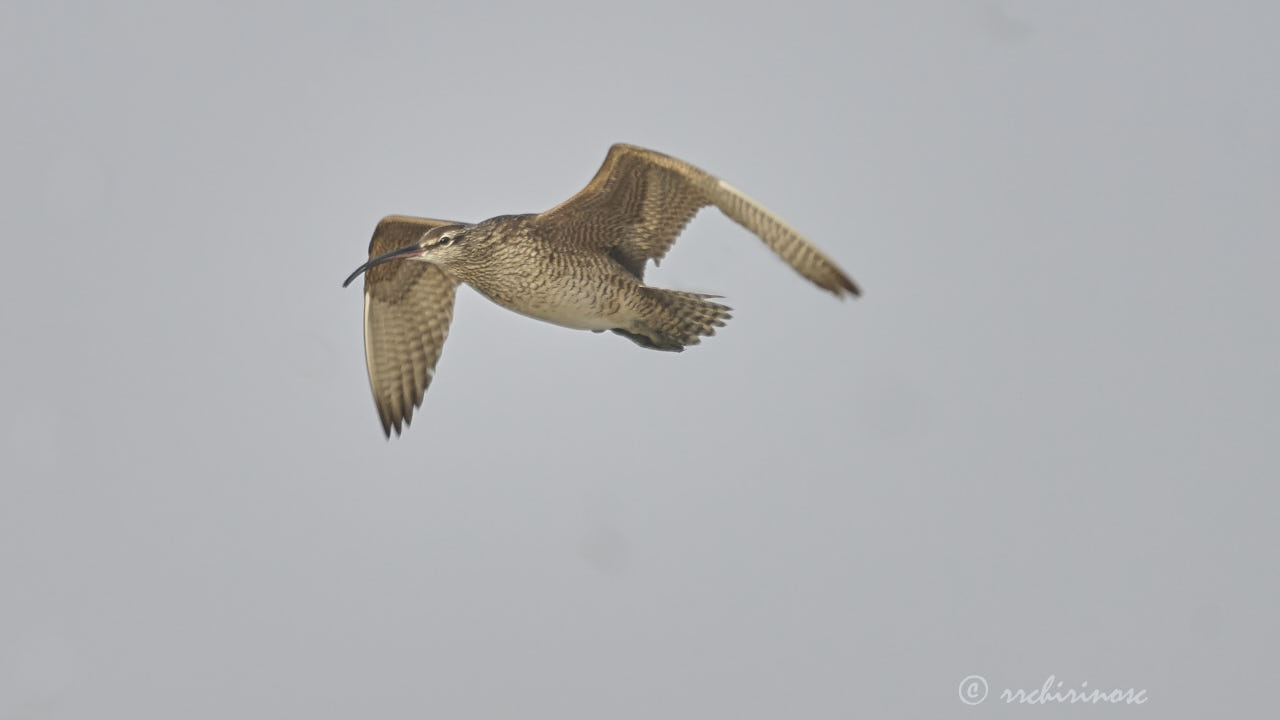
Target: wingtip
x,y
390,422
841,288
847,285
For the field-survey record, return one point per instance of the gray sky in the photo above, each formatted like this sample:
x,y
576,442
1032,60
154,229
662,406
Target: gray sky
x,y
1040,445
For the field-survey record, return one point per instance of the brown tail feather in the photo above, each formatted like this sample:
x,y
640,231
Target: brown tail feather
x,y
676,319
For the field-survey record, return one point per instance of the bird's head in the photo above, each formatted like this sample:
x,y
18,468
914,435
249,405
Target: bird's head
x,y
441,245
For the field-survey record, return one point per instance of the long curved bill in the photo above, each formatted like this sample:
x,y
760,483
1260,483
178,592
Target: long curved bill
x,y
404,252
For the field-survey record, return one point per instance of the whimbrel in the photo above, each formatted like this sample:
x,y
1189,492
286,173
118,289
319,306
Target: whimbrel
x,y
580,264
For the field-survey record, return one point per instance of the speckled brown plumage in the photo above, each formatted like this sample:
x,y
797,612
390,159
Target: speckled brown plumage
x,y
580,265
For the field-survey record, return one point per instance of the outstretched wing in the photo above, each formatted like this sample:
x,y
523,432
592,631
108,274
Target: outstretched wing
x,y
640,200
407,309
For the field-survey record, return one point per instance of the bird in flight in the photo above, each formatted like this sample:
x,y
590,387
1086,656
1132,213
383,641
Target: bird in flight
x,y
580,265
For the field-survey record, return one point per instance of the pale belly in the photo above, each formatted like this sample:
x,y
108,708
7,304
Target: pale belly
x,y
567,300
570,316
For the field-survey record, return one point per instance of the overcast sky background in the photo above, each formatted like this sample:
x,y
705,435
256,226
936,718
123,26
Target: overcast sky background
x,y
1042,443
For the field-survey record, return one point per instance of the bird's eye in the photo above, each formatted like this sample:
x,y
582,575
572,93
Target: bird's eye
x,y
446,239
